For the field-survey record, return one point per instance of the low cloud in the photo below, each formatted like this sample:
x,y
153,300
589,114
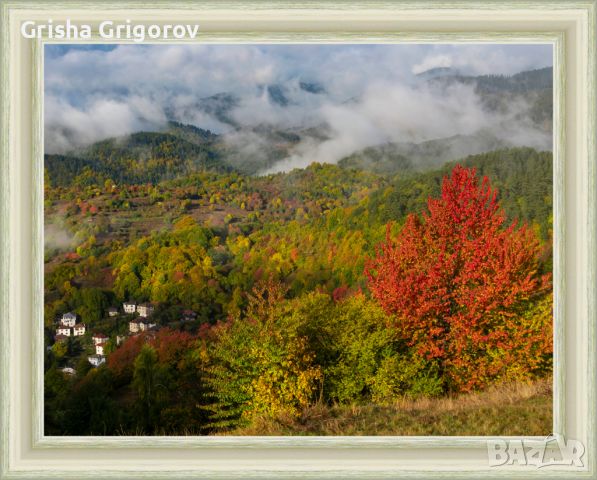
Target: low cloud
x,y
362,95
56,235
402,113
433,61
69,127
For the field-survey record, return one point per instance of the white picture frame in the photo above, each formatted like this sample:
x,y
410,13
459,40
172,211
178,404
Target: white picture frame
x,y
570,25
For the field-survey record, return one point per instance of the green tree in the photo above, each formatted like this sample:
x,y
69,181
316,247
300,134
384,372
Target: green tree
x,y
92,303
149,383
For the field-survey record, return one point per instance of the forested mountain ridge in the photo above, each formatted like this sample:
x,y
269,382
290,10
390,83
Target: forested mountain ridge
x,y
521,176
139,158
532,90
183,149
392,158
521,105
523,82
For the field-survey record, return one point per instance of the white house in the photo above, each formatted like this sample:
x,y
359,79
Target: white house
x,y
63,331
69,370
99,338
68,319
79,329
112,312
134,326
96,360
129,307
99,348
144,326
120,339
145,309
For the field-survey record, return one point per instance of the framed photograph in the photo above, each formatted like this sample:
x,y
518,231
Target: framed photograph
x,y
298,240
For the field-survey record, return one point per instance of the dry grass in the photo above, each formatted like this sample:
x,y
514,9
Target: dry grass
x,y
513,409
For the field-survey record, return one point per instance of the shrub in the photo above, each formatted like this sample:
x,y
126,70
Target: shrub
x,y
259,364
361,357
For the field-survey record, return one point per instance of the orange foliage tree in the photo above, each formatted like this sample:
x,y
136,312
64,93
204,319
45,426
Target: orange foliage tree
x,y
460,284
171,347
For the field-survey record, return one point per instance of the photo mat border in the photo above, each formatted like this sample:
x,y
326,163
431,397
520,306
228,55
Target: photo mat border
x,y
553,38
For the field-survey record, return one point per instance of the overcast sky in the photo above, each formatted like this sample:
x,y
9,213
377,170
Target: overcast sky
x,y
95,92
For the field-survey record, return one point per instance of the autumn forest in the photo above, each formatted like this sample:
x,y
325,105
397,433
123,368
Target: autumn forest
x,y
194,287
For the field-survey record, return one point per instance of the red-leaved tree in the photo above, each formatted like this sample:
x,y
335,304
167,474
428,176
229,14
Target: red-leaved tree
x,y
463,287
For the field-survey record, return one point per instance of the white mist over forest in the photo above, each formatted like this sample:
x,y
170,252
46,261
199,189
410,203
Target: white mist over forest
x,y
338,99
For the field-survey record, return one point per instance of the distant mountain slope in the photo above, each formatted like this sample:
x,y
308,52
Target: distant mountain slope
x,y
437,72
392,158
521,105
176,151
180,150
523,178
531,91
251,150
519,111
138,158
190,133
218,106
523,82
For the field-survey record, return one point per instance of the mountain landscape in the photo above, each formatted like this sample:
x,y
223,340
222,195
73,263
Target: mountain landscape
x,y
283,260
520,108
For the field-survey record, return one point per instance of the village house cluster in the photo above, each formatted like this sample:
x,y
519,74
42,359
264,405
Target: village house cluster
x,y
144,310
68,326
